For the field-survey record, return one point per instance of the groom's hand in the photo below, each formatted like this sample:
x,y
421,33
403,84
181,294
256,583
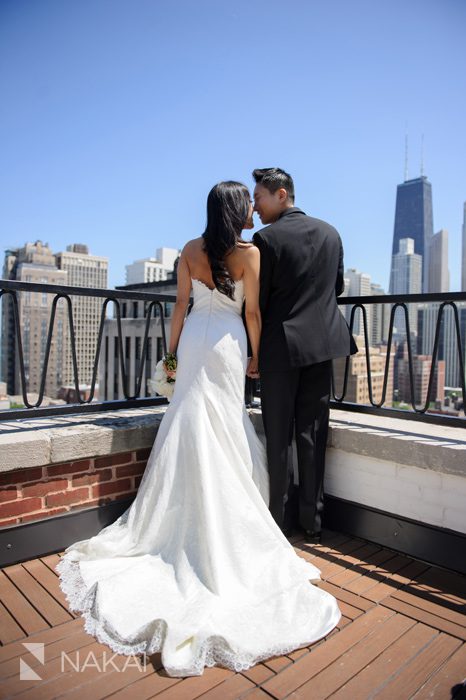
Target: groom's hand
x,y
252,370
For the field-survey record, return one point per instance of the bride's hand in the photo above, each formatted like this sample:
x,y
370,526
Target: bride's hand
x,y
252,370
170,373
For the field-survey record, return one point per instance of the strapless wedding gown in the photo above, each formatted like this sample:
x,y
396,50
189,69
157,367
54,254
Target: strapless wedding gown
x,y
196,567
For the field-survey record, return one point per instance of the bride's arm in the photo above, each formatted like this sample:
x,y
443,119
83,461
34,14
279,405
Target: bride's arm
x,y
252,312
183,291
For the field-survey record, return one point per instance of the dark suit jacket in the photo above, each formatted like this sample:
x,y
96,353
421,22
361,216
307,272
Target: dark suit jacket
x,y
301,277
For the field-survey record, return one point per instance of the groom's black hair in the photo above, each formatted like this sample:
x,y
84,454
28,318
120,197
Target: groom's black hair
x,y
273,179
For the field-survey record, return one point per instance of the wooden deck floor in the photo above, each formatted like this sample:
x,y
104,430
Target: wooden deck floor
x,y
402,635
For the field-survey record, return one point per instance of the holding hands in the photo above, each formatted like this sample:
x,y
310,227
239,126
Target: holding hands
x,y
252,370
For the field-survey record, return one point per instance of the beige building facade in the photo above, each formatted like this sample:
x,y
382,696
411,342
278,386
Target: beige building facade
x,y
83,270
34,263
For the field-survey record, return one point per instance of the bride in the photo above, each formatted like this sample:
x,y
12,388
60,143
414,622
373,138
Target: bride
x,y
196,567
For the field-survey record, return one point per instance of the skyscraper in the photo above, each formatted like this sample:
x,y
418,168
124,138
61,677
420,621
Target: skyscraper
x,y
413,219
463,252
406,275
439,276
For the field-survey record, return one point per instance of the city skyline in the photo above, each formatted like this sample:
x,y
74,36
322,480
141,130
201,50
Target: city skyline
x,y
123,141
395,240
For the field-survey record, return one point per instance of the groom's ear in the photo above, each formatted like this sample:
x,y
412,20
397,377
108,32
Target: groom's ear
x,y
282,195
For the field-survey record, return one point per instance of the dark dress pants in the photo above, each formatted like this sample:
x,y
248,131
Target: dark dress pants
x,y
297,401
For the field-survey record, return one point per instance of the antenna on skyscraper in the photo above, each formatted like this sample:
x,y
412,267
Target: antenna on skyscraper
x,y
422,155
406,153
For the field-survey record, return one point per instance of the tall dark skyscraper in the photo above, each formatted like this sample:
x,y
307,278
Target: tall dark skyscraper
x,y
413,219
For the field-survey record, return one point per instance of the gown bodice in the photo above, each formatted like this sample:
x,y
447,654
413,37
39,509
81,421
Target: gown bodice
x,y
206,299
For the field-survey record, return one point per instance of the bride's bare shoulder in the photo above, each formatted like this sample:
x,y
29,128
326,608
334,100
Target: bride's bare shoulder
x,y
195,244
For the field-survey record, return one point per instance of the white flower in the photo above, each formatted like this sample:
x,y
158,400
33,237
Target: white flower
x,y
161,383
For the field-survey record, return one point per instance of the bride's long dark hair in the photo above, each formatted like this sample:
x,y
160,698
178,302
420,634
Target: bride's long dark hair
x,y
227,213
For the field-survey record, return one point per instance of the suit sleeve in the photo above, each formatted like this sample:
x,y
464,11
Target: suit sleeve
x,y
265,271
340,282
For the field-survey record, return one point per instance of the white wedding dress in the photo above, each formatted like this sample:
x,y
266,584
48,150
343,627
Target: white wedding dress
x,y
196,567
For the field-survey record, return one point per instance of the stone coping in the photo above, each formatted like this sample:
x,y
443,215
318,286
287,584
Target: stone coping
x,y
42,441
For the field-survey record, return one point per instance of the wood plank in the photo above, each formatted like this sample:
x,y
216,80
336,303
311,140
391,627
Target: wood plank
x,y
9,628
428,618
448,582
257,694
388,664
291,678
394,581
376,572
337,561
361,568
14,649
231,689
194,687
298,653
449,675
260,672
51,560
342,595
412,678
354,660
147,687
17,604
277,663
44,603
354,561
443,608
49,580
52,650
109,680
53,681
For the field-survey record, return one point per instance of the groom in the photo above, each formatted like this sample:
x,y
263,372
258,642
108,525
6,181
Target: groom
x,y
302,331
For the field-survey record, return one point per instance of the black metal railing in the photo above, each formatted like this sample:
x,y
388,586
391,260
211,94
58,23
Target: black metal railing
x,y
445,300
10,290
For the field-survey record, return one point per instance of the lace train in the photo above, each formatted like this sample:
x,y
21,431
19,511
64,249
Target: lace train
x,y
212,652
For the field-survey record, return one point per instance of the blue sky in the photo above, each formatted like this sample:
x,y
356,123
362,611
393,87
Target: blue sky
x,y
118,116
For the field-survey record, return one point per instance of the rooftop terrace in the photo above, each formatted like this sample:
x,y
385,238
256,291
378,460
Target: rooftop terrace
x,y
402,635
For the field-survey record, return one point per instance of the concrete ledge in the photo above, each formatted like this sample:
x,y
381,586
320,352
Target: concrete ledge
x,y
427,446
40,442
32,443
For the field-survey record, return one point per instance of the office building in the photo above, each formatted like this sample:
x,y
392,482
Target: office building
x,y
133,325
439,276
447,345
413,219
152,269
357,389
83,270
357,284
33,263
422,365
379,317
406,278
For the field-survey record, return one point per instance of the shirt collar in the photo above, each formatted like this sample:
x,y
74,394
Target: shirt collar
x,y
291,210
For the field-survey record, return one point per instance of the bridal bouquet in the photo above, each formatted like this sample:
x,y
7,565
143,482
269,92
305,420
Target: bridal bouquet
x,y
161,382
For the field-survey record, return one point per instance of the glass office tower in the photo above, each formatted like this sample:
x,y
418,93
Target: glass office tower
x,y
413,219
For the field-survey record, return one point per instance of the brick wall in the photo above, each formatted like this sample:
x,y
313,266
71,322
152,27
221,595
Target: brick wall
x,y
40,492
